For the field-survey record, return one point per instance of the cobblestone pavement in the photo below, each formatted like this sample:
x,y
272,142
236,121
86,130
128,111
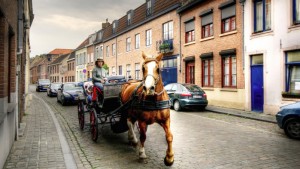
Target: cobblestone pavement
x,y
201,140
40,146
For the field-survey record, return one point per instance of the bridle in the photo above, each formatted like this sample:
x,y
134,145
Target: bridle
x,y
156,79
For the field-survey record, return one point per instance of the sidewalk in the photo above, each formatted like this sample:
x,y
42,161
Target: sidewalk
x,y
243,114
40,146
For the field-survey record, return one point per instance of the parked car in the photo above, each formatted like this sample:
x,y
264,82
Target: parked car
x,y
52,89
68,93
42,85
116,79
186,96
288,118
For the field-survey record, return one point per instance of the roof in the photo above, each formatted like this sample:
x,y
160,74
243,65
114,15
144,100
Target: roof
x,y
60,51
72,55
38,60
83,44
188,5
59,59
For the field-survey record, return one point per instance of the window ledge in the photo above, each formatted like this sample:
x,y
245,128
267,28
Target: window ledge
x,y
228,90
228,33
294,27
206,39
190,43
262,34
208,88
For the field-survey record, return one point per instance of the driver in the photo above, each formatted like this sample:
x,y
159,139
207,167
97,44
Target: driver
x,y
99,74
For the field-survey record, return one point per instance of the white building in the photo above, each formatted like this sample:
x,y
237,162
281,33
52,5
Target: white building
x,y
271,54
81,62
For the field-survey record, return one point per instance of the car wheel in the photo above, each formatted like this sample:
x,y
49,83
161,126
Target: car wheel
x,y
63,102
292,128
177,106
48,94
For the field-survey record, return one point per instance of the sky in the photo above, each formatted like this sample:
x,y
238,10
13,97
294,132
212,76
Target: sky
x,y
67,23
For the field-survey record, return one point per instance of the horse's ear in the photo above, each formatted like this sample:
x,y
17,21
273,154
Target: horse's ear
x,y
144,55
159,57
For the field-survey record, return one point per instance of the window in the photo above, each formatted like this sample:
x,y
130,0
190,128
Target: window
x,y
137,41
262,15
149,8
189,31
114,49
114,27
228,19
148,37
229,71
101,52
120,70
113,70
296,12
137,71
127,70
128,18
168,30
293,72
128,43
207,24
208,73
169,63
92,57
107,51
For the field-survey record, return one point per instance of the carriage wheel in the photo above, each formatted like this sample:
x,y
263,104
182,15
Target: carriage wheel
x,y
81,114
94,124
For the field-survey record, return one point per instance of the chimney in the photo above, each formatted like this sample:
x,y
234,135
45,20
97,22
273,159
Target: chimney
x,y
106,24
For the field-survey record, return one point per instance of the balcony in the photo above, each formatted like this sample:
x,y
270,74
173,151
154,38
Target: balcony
x,y
165,46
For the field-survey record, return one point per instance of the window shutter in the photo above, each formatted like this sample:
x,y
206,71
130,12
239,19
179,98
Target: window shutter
x,y
207,19
228,12
189,26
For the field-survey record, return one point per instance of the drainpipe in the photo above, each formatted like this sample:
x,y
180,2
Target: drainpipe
x,y
242,2
180,50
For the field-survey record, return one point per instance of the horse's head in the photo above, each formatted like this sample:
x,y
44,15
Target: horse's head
x,y
151,73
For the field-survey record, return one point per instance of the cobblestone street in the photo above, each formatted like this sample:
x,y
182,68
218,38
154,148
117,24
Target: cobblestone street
x,y
201,140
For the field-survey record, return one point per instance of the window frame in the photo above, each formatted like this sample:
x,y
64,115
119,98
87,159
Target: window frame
x,y
169,33
128,44
231,27
107,51
294,11
128,70
209,74
120,70
137,71
113,50
210,29
230,71
148,39
264,16
190,34
288,65
137,45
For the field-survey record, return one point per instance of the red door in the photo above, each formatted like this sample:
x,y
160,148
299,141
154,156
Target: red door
x,y
190,72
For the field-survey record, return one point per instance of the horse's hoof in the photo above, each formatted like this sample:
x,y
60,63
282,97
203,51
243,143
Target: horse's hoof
x,y
168,163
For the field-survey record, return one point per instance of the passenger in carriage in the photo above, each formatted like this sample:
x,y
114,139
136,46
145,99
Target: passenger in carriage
x,y
99,76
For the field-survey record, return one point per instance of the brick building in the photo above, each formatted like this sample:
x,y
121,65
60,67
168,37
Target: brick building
x,y
150,28
70,73
38,69
211,43
15,20
57,68
90,55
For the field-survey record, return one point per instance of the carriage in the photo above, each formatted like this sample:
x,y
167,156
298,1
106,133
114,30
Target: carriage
x,y
106,111
124,104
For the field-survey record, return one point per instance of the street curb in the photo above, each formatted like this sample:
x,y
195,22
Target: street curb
x,y
242,116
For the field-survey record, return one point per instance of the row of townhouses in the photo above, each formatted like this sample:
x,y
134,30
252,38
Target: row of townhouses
x,y
245,54
16,18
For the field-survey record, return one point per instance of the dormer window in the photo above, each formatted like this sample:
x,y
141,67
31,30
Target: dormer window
x,y
128,19
114,27
149,8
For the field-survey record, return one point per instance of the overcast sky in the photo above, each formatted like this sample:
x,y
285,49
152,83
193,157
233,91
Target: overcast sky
x,y
67,23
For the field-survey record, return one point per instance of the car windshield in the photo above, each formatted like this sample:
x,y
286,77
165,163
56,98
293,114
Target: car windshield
x,y
72,86
193,88
55,86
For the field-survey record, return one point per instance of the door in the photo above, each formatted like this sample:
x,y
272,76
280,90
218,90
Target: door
x,y
257,90
190,72
169,75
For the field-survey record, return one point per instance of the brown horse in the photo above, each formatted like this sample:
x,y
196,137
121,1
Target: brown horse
x,y
150,93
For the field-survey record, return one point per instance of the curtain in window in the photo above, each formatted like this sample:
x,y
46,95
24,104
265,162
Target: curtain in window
x,y
233,77
268,14
295,79
297,12
226,71
211,72
259,16
206,72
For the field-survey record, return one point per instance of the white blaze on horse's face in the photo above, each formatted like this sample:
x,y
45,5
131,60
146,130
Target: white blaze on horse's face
x,y
149,85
